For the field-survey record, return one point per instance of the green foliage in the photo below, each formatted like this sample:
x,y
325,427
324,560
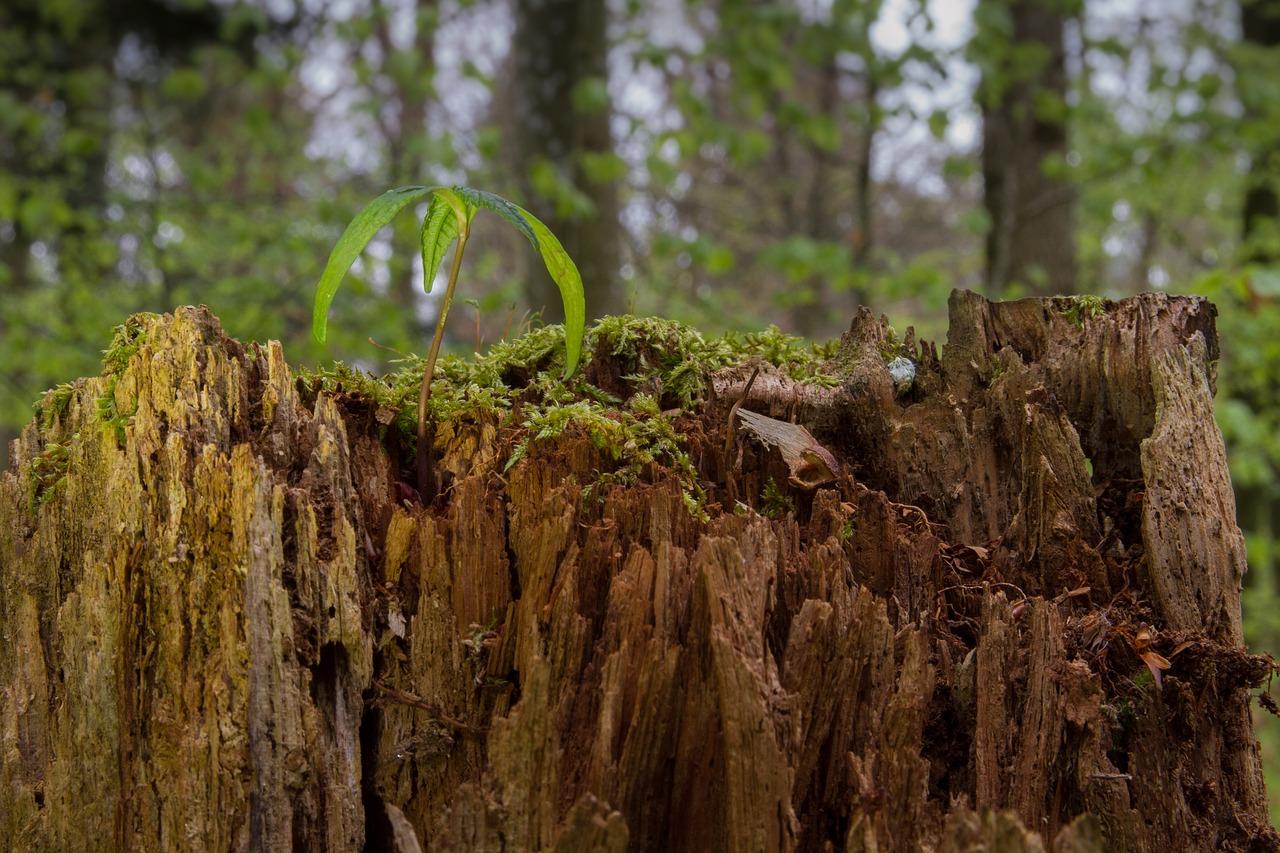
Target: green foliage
x,y
1248,409
801,258
439,231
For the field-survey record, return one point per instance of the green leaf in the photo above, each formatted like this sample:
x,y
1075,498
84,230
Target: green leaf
x,y
938,121
502,207
367,223
602,167
439,230
569,280
590,95
552,184
462,210
186,84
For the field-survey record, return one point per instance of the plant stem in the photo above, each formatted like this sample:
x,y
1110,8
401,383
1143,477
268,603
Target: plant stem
x,y
426,464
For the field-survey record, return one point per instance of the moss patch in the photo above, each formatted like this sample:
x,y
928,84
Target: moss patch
x,y
638,375
128,338
1079,308
47,475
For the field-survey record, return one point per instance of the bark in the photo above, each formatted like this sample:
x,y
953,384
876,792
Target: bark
x,y
560,47
226,632
1031,240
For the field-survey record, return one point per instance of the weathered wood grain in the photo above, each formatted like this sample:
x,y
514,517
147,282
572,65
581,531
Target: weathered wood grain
x,y
226,631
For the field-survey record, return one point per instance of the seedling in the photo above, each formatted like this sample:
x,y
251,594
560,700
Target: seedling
x,y
448,219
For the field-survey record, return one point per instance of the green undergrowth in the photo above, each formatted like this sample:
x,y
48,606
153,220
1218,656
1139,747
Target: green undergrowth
x,y
653,369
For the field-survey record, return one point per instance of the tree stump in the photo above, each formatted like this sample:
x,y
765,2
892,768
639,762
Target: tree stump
x,y
1009,620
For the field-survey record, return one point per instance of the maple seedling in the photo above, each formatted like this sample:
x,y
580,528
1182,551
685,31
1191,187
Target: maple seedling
x,y
448,219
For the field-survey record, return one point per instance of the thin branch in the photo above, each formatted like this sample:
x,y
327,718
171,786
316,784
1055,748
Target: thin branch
x,y
432,708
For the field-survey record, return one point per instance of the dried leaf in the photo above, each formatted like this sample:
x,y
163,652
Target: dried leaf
x,y
1157,664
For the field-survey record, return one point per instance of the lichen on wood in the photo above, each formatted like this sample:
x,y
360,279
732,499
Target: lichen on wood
x,y
232,627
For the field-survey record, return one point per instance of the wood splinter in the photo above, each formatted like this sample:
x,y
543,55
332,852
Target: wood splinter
x,y
811,464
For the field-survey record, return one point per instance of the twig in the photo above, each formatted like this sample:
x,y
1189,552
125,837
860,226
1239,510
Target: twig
x,y
733,412
432,708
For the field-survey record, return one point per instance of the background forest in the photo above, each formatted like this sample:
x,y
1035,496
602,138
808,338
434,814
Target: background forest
x,y
728,163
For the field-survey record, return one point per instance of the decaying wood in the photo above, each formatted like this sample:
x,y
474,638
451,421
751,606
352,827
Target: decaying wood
x,y
809,463
226,631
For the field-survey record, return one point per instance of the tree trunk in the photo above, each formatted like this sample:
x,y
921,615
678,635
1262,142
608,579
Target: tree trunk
x,y
562,118
1006,614
1031,241
1260,32
808,317
409,76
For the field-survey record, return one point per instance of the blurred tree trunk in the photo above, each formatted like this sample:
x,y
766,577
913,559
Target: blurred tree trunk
x,y
562,115
1023,95
1260,33
409,75
1011,618
1260,30
810,316
864,221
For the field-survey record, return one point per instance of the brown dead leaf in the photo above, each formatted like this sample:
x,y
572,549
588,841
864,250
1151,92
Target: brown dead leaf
x,y
1157,664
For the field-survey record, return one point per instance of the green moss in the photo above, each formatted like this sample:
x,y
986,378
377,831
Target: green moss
x,y
677,359
1077,308
53,404
109,414
128,339
891,346
635,437
47,475
775,503
665,363
396,391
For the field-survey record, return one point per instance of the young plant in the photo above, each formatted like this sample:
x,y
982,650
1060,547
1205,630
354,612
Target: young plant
x,y
448,219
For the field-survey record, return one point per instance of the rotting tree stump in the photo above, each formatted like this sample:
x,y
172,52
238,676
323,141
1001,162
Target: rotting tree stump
x,y
1010,622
